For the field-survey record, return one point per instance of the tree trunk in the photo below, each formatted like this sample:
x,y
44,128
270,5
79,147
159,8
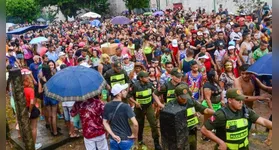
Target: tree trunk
x,y
21,109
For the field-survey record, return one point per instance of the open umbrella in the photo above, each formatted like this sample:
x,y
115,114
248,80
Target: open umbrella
x,y
95,23
76,83
38,40
120,20
91,15
160,13
147,13
263,66
41,20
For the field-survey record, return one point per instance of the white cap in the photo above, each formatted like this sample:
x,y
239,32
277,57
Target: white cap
x,y
231,47
125,56
206,31
85,64
117,88
174,43
204,56
61,54
199,33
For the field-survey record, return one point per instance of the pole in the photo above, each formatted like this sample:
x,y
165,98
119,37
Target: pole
x,y
214,3
21,109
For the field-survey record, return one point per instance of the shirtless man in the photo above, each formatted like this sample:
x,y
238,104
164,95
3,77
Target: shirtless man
x,y
245,83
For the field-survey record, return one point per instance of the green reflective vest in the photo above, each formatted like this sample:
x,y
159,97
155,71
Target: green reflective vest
x,y
170,95
192,119
144,97
120,78
235,133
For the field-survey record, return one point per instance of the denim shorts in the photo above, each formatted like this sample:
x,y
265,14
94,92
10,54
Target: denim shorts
x,y
123,145
49,101
67,115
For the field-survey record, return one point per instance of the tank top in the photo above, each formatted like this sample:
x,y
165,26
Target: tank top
x,y
186,65
106,67
194,84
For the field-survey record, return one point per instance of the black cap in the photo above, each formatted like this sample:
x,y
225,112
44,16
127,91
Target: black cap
x,y
236,25
80,59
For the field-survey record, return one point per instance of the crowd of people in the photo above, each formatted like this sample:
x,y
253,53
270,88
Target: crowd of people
x,y
181,57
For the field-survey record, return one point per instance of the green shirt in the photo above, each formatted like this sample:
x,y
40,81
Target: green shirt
x,y
219,120
165,58
258,53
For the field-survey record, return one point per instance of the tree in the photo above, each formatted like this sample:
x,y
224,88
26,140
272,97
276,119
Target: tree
x,y
70,7
132,4
22,10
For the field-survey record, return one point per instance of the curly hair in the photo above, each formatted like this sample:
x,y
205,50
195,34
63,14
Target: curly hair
x,y
27,81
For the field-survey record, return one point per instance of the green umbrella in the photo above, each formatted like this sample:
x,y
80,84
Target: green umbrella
x,y
147,13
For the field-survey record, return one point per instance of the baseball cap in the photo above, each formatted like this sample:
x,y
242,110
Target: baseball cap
x,y
235,93
231,47
174,43
142,74
175,72
117,64
199,33
117,88
125,56
61,54
202,55
182,90
236,25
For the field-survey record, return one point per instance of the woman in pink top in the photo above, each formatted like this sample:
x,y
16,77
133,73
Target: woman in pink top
x,y
125,50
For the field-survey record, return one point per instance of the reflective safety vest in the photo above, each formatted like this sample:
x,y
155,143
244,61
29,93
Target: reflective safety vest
x,y
144,97
237,133
170,95
120,78
192,119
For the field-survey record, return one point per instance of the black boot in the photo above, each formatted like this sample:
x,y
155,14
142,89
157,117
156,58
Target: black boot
x,y
157,144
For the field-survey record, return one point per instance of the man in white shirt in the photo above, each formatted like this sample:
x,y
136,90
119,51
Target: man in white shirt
x,y
236,32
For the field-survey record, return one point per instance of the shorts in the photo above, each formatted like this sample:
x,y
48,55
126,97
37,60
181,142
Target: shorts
x,y
35,113
215,106
123,145
99,142
19,56
67,114
50,101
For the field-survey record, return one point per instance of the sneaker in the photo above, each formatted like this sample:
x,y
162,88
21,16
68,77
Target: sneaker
x,y
60,116
38,145
42,118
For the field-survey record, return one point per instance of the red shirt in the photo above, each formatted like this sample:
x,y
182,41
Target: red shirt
x,y
29,94
91,112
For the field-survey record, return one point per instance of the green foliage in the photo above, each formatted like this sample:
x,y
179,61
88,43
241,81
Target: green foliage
x,y
22,10
131,4
70,7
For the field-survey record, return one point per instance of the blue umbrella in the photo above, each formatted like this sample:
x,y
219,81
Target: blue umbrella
x,y
263,66
38,40
160,13
120,20
95,23
77,83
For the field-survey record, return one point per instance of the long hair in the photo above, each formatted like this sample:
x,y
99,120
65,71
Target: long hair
x,y
27,81
103,56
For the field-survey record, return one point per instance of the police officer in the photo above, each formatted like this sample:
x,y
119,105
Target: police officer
x,y
231,123
167,89
116,75
183,97
141,95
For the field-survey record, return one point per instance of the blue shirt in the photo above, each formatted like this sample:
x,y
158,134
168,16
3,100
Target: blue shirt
x,y
52,55
35,70
12,60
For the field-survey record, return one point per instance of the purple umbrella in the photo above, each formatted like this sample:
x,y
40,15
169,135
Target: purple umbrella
x,y
120,20
159,13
